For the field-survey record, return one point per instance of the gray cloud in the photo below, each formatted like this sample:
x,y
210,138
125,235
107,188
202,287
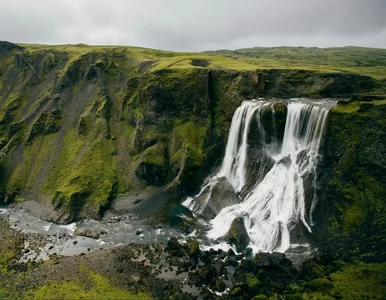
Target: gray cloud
x,y
195,25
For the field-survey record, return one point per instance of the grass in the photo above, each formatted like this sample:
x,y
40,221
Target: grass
x,y
96,287
358,60
354,106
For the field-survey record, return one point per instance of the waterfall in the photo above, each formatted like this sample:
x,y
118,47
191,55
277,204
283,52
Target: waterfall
x,y
276,203
233,166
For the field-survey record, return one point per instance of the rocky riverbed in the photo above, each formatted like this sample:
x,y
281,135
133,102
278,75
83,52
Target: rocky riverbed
x,y
83,262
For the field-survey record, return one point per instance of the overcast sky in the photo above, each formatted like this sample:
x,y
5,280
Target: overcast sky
x,y
195,25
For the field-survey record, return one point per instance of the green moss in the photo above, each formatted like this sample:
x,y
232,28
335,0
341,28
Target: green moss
x,y
99,287
355,194
10,108
188,136
252,281
85,170
364,281
155,155
320,284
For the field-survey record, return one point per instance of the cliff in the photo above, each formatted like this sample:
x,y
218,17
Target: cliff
x,y
81,126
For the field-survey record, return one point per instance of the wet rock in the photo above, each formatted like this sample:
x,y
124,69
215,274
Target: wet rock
x,y
207,274
211,202
237,235
183,218
246,264
220,285
90,233
286,160
276,258
219,266
261,260
173,244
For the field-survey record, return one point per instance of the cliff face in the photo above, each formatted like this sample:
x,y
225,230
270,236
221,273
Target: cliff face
x,y
350,218
77,131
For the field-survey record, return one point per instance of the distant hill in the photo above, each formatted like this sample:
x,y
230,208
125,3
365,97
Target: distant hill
x,y
367,61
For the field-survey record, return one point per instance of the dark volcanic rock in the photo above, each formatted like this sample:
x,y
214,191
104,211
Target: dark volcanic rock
x,y
211,202
237,235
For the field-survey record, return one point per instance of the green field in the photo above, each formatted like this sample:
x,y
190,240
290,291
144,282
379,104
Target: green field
x,y
358,60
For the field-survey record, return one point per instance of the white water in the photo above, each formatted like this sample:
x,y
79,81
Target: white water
x,y
233,166
276,204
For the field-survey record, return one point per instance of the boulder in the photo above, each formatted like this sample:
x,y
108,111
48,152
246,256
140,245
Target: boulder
x,y
261,260
86,232
173,244
276,258
212,201
237,235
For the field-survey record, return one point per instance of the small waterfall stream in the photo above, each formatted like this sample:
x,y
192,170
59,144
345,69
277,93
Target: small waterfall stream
x,y
282,197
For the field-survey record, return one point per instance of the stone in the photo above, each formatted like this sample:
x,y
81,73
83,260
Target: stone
x,y
237,235
276,258
86,232
173,244
261,260
212,201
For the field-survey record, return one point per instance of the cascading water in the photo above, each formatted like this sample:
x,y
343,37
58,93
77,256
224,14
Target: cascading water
x,y
276,203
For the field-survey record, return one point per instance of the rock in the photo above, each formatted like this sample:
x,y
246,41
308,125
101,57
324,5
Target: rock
x,y
182,218
193,261
253,284
194,249
173,244
246,264
220,285
276,258
207,274
248,251
90,233
236,292
211,202
286,160
247,281
237,235
261,260
139,231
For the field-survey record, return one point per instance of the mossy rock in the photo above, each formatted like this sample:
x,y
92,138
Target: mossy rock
x,y
238,235
320,284
220,285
